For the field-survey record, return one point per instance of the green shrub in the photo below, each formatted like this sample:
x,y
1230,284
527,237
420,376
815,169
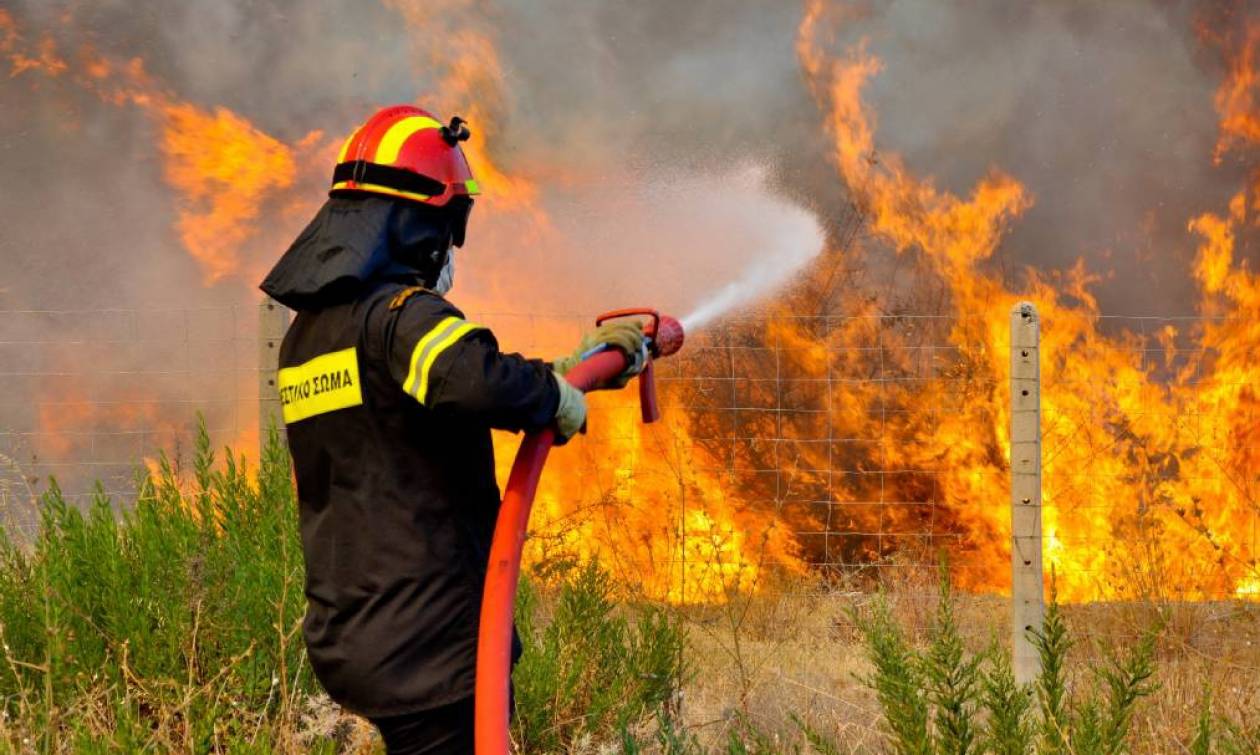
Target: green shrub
x,y
173,623
898,680
1008,728
593,668
931,697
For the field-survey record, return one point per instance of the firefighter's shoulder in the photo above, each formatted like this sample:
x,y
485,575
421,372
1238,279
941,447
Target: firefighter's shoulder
x,y
401,297
416,305
424,327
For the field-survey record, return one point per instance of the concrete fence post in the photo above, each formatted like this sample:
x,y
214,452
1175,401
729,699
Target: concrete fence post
x,y
273,320
1027,578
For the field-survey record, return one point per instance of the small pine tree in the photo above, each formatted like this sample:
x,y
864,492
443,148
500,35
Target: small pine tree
x,y
953,677
1127,681
1052,643
1008,704
898,680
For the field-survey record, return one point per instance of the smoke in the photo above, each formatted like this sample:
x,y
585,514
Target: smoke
x,y
1103,111
633,123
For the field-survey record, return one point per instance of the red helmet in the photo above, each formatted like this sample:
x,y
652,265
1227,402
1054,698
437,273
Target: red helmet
x,y
403,151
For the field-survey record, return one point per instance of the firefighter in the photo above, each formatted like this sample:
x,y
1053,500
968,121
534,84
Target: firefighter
x,y
389,395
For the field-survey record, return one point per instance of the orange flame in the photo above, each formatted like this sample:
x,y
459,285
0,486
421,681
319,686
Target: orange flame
x,y
1135,499
1152,441
42,58
650,505
225,169
1238,97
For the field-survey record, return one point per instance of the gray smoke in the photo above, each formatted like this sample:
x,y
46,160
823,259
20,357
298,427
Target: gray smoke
x,y
1103,110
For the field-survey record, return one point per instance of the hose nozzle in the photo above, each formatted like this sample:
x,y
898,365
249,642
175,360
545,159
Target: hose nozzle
x,y
665,337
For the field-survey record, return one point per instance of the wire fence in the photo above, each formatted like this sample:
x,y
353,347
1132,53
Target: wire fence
x,y
839,448
90,395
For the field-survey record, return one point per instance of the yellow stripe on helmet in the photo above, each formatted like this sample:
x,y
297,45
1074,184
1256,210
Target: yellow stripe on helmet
x,y
444,335
345,148
378,189
398,134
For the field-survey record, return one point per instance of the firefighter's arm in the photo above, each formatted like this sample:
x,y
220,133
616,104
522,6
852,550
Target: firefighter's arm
x,y
507,391
451,365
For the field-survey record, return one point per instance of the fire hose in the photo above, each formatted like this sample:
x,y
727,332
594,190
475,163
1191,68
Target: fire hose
x,y
664,336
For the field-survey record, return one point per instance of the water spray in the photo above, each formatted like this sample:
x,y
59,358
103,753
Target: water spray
x,y
664,336
723,301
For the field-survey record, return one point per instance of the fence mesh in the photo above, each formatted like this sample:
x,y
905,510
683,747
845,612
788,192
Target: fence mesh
x,y
834,447
91,394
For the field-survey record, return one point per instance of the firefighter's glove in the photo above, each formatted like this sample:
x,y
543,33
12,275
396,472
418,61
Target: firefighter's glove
x,y
626,335
571,413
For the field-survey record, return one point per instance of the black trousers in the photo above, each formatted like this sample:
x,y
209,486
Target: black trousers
x,y
441,731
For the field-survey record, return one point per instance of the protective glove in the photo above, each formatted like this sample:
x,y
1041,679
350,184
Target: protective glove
x,y
626,335
571,413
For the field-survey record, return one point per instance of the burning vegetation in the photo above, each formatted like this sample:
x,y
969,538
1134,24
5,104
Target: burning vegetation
x,y
842,424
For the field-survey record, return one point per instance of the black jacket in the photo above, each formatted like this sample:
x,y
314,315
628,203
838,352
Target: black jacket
x,y
389,396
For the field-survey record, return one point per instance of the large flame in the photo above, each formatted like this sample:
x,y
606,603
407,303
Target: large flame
x,y
873,427
1150,481
227,173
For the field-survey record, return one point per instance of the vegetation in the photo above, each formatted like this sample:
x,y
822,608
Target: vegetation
x,y
590,670
937,697
173,623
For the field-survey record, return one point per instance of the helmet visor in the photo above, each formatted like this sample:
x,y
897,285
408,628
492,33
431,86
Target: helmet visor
x,y
458,210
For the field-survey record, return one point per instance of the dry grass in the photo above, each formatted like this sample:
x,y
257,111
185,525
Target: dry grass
x,y
799,654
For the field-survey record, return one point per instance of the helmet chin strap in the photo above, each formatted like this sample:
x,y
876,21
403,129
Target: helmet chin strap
x,y
446,278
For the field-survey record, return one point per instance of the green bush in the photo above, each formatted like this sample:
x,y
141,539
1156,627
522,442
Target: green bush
x,y
592,669
175,622
945,699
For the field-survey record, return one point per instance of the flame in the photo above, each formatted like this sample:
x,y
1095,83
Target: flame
x,y
468,80
42,58
71,418
1238,97
224,169
228,173
894,442
652,507
1136,499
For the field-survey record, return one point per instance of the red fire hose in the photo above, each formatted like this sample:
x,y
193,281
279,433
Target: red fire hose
x,y
494,643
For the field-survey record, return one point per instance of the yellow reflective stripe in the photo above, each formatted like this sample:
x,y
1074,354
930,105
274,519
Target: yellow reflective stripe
x,y
398,134
409,385
428,349
422,390
345,148
324,384
378,189
472,186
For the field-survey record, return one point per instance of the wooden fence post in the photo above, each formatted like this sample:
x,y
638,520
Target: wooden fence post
x,y
1027,578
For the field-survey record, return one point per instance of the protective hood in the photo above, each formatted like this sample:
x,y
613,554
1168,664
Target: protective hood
x,y
352,246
